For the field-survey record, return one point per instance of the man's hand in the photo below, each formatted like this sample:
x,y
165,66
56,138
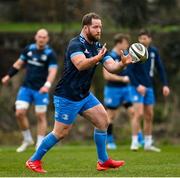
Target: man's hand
x,y
102,52
141,89
166,91
5,80
44,89
125,59
125,79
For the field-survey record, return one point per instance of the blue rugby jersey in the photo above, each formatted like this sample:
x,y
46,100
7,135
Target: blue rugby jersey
x,y
124,72
143,73
37,64
75,84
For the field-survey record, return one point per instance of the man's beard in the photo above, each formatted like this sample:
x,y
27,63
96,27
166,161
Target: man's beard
x,y
91,37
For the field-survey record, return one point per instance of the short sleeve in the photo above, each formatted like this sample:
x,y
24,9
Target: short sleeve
x,y
106,57
23,56
52,60
74,49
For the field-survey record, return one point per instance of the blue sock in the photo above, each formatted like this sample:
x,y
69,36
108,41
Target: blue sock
x,y
110,139
140,137
48,142
100,140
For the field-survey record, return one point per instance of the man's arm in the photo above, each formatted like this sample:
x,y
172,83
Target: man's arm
x,y
82,63
13,71
115,67
161,70
52,71
113,77
134,81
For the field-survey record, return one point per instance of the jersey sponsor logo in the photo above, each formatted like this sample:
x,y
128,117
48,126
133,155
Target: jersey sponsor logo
x,y
35,63
86,51
43,57
29,53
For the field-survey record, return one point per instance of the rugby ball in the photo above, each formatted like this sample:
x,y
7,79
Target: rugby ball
x,y
138,52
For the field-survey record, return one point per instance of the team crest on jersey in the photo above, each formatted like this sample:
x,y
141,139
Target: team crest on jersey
x,y
65,117
135,98
45,100
43,57
152,54
29,53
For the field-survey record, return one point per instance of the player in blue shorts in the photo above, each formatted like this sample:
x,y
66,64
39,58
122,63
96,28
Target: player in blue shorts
x,y
143,92
117,91
72,96
41,67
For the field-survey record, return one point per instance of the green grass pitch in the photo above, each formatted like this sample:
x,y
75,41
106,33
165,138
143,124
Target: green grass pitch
x,y
67,161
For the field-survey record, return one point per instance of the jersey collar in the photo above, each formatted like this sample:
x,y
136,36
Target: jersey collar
x,y
83,39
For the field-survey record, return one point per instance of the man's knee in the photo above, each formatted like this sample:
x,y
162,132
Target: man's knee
x,y
20,114
111,114
139,113
41,117
131,112
62,133
149,115
103,122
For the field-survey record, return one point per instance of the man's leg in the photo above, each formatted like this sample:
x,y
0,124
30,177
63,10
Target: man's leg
x,y
41,126
41,101
22,105
98,116
135,124
21,116
59,132
148,120
112,100
110,138
65,114
148,125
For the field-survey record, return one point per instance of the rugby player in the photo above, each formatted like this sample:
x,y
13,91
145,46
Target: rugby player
x,y
40,63
72,95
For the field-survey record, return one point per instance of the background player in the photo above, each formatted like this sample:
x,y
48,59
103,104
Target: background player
x,y
72,95
117,91
41,67
143,92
